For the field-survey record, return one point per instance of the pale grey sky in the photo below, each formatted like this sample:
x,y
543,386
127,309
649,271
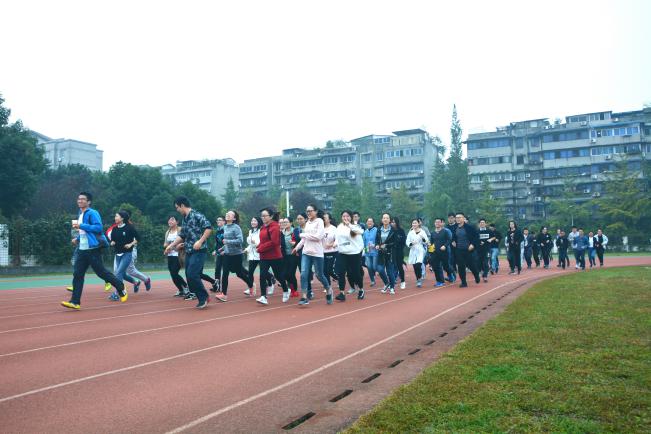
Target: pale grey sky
x,y
151,82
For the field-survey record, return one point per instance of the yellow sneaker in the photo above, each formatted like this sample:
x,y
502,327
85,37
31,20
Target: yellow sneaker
x,y
70,305
124,297
69,288
107,287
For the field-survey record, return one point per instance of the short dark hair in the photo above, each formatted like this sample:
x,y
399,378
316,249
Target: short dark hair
x,y
482,220
460,213
349,212
451,214
439,218
89,196
182,201
354,212
574,227
290,219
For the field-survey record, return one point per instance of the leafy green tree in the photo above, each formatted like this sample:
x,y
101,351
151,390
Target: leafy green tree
x,y
438,201
626,206
457,179
200,200
230,195
568,208
21,165
346,197
369,204
403,206
489,207
300,198
57,191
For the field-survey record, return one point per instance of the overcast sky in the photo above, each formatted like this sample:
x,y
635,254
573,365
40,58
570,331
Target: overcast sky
x,y
152,82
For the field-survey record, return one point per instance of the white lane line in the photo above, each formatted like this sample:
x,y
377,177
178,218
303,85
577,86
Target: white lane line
x,y
63,296
331,364
213,347
202,350
85,341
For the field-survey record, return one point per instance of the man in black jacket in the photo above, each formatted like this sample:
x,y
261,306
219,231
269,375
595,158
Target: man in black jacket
x,y
544,240
562,243
464,241
528,241
485,235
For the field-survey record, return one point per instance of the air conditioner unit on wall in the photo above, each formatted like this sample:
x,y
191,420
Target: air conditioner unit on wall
x,y
536,181
596,194
584,123
608,157
538,199
593,140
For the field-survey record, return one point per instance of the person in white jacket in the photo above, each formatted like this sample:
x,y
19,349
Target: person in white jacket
x,y
252,241
350,244
417,241
312,245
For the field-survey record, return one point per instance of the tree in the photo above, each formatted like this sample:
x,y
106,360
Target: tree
x,y
21,165
230,195
403,206
438,200
200,200
489,207
626,206
457,178
346,197
300,198
567,209
57,191
369,204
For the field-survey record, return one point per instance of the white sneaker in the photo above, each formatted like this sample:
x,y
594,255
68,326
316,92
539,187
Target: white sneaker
x,y
285,296
402,285
270,290
247,292
392,291
262,300
350,290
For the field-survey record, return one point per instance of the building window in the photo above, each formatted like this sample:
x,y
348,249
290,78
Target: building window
x,y
366,158
519,159
519,143
379,156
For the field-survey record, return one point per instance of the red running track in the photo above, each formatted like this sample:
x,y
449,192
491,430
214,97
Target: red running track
x,y
155,364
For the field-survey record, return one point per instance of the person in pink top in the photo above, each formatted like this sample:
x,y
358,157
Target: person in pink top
x,y
312,245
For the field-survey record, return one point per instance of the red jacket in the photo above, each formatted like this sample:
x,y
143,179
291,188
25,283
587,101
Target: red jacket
x,y
269,247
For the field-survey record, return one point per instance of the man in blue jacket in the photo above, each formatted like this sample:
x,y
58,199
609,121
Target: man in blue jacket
x,y
90,240
581,244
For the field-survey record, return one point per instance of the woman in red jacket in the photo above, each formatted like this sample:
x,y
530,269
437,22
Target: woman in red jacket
x,y
271,254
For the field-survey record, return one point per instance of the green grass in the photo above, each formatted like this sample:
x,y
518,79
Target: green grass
x,y
571,355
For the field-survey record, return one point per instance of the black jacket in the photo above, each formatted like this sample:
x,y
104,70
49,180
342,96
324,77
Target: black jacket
x,y
471,232
391,245
514,238
484,236
530,239
544,240
562,243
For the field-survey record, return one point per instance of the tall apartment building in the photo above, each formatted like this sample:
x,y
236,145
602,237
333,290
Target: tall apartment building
x,y
210,175
389,161
529,162
64,152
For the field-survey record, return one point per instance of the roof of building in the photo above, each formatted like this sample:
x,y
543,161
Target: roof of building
x,y
408,132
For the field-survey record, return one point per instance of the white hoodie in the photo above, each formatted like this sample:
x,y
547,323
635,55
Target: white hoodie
x,y
347,244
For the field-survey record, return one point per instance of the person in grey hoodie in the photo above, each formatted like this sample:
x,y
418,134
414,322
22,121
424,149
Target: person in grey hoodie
x,y
233,255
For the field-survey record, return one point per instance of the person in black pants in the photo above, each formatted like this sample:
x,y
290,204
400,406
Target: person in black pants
x,y
528,245
600,242
513,242
174,257
483,252
562,243
544,240
440,239
464,241
399,257
91,239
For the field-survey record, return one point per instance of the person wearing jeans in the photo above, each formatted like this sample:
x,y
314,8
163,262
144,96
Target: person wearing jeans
x,y
495,249
312,245
370,252
195,230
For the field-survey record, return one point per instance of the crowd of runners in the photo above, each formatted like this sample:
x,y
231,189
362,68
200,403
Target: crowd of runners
x,y
337,250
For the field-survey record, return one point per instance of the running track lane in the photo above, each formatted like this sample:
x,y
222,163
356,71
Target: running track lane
x,y
176,376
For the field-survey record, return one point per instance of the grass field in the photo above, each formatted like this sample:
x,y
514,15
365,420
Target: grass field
x,y
571,355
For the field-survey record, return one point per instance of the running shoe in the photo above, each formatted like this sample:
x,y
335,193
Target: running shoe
x,y
286,296
114,297
385,289
136,287
262,300
485,280
463,285
294,294
215,286
477,280
419,283
179,293
270,289
402,285
361,294
439,284
148,284
310,295
351,290
329,296
70,305
69,288
248,292
372,283
221,297
124,295
202,305
340,297
190,296
392,291
303,301
107,286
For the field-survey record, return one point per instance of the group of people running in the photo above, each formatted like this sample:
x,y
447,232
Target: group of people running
x,y
334,249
